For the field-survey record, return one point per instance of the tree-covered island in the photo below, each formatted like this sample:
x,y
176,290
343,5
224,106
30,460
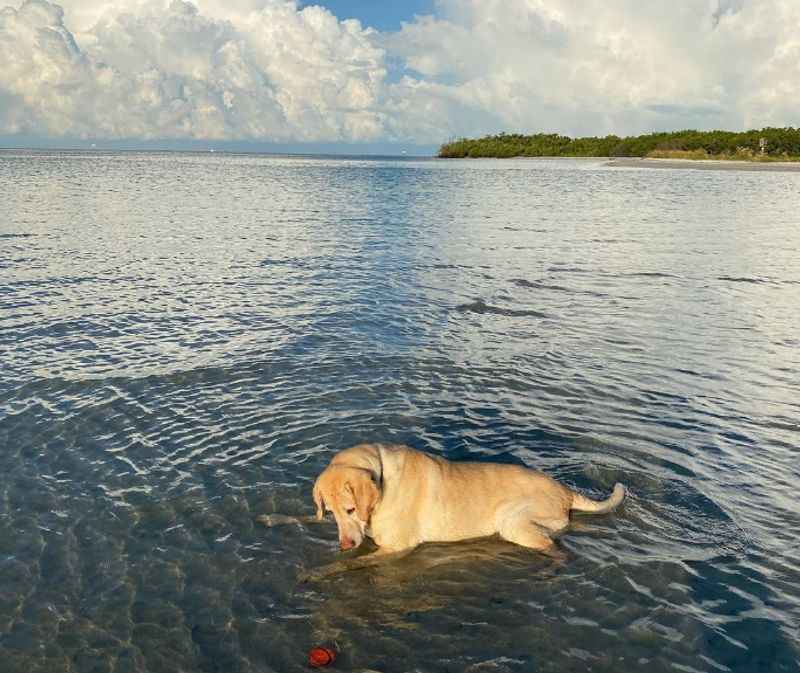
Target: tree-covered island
x,y
767,144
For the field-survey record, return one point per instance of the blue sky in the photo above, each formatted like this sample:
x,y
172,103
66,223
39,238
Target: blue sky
x,y
384,15
295,76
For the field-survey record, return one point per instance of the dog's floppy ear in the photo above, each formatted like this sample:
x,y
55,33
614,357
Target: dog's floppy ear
x,y
365,492
319,502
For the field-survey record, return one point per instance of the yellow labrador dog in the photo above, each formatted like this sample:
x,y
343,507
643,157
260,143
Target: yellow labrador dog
x,y
401,498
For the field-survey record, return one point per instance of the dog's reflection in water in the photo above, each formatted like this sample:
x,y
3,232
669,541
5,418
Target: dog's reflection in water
x,y
395,593
409,564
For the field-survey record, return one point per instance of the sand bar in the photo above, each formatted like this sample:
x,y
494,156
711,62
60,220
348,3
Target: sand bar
x,y
705,164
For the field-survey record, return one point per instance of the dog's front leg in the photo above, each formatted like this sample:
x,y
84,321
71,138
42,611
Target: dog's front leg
x,y
271,520
377,557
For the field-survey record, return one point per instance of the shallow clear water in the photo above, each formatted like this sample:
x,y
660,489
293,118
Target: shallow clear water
x,y
186,339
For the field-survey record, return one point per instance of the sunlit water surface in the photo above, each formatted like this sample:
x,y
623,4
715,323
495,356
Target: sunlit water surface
x,y
186,340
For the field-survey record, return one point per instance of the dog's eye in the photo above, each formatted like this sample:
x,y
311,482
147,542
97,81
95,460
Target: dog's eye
x,y
350,510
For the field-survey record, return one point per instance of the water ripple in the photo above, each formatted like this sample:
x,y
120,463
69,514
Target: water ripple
x,y
175,367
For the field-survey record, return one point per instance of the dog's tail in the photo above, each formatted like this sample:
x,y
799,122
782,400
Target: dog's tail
x,y
581,503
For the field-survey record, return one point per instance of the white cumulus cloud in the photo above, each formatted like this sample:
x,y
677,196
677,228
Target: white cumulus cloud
x,y
271,70
167,70
603,66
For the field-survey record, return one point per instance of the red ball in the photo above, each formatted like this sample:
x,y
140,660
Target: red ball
x,y
321,656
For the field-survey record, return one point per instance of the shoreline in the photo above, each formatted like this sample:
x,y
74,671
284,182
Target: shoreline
x,y
647,162
704,164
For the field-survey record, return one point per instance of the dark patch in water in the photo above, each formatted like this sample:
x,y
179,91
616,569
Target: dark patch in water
x,y
600,272
703,375
481,307
753,280
648,274
538,285
571,269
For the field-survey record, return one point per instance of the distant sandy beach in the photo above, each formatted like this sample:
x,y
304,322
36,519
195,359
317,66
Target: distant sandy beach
x,y
705,165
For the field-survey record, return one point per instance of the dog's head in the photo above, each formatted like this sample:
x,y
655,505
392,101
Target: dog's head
x,y
351,493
